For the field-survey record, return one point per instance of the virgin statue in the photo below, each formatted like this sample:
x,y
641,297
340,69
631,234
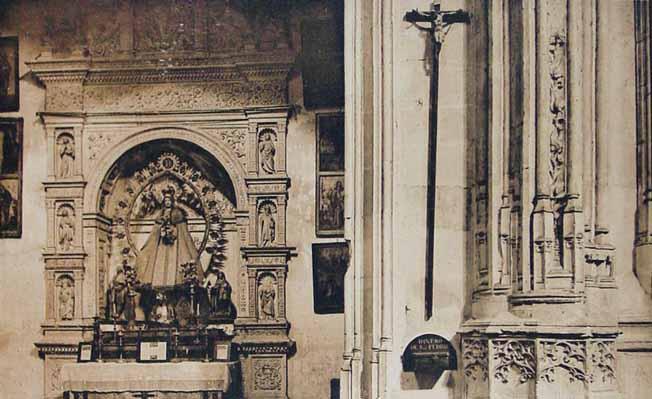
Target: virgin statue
x,y
168,247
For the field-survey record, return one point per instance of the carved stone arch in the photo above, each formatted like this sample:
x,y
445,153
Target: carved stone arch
x,y
213,146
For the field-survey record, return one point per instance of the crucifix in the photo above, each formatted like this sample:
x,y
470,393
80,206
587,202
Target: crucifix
x,y
440,22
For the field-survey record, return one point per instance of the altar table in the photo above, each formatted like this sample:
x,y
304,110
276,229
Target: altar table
x,y
87,380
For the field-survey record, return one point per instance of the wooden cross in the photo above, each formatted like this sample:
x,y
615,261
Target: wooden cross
x,y
439,22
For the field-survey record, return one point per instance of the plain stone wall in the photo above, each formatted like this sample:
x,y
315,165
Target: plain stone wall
x,y
319,338
411,105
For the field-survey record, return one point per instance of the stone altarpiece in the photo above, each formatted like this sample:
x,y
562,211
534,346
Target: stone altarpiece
x,y
129,110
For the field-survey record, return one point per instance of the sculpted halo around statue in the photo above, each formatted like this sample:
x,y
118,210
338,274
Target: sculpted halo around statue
x,y
166,193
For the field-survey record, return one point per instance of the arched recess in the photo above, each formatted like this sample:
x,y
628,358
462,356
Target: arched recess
x,y
200,152
220,152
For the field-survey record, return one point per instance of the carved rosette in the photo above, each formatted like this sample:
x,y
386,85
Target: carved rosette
x,y
267,375
569,356
476,357
516,355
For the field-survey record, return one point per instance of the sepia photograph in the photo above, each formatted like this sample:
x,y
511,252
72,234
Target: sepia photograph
x,y
328,199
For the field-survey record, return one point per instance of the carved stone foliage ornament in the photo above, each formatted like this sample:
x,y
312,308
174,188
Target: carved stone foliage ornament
x,y
267,375
228,30
237,140
563,355
164,25
476,357
516,355
189,96
103,28
558,99
96,143
603,362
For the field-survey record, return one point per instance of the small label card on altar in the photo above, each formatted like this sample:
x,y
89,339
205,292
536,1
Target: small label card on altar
x,y
85,352
222,352
153,351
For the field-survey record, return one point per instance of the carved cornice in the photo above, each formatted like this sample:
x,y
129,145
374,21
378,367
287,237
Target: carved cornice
x,y
268,252
246,67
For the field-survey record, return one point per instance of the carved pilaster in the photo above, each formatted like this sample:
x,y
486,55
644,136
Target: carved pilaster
x,y
475,357
251,275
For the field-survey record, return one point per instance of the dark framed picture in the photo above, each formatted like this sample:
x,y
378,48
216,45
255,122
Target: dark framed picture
x,y
330,144
85,352
330,205
11,177
152,351
329,218
9,95
329,264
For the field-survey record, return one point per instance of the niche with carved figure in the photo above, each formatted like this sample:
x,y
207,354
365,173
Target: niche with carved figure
x,y
267,297
267,222
66,228
267,142
65,298
65,155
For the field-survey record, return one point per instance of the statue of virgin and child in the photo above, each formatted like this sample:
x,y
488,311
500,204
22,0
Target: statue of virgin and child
x,y
163,263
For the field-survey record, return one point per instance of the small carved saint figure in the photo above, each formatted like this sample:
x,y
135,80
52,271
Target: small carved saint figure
x,y
66,228
118,295
162,312
66,288
218,289
66,156
267,225
267,298
267,151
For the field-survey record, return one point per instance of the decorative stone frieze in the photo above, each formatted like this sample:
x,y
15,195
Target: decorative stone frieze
x,y
569,356
516,355
476,359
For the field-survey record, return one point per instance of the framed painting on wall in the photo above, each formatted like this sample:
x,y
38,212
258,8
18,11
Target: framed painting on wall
x,y
11,177
9,96
329,262
330,175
